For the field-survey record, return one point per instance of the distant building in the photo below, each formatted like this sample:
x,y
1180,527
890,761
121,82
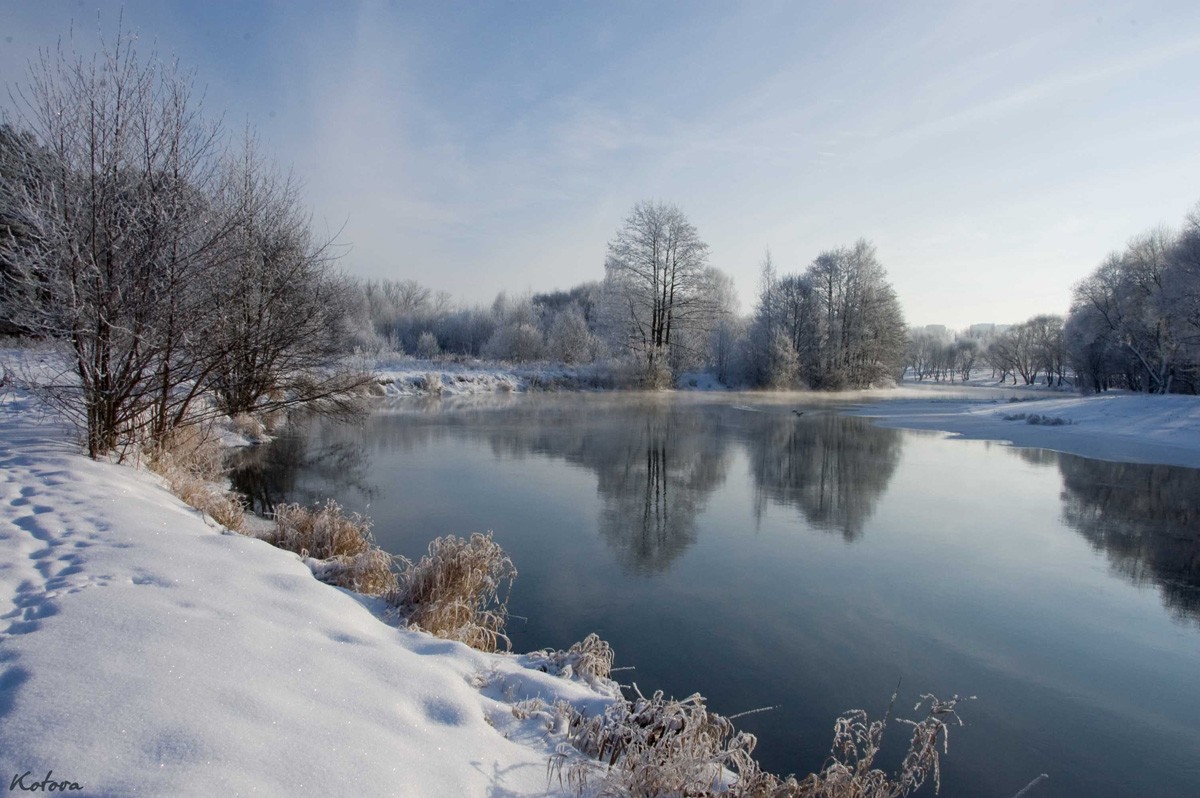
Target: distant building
x,y
982,332
937,329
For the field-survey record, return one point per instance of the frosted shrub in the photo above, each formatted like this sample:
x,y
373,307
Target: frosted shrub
x,y
459,591
850,770
427,346
247,426
431,383
369,572
1047,421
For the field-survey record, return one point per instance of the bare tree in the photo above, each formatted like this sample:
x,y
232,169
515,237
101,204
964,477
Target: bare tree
x,y
1128,316
281,310
118,231
841,316
655,281
159,270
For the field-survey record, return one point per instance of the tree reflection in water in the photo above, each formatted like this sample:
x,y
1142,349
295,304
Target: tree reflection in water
x,y
655,484
831,468
321,453
1146,519
656,464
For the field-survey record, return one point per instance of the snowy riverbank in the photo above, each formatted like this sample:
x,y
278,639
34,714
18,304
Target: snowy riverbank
x,y
145,652
1120,426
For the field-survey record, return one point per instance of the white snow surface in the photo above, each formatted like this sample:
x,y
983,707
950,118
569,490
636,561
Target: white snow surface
x,y
143,651
1119,426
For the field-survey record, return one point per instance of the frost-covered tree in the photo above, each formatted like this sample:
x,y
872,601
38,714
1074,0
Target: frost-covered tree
x,y
569,340
1129,324
131,240
281,312
841,316
656,286
118,232
517,336
427,346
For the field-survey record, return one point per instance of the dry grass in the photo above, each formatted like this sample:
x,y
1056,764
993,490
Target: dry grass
x,y
656,746
591,660
321,532
190,460
369,572
343,543
459,591
248,426
850,770
431,383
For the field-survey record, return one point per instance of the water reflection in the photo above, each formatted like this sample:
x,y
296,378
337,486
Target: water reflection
x,y
832,469
271,473
656,464
655,482
1146,520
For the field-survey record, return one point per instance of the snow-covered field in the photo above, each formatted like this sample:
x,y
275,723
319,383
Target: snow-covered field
x,y
1114,426
145,652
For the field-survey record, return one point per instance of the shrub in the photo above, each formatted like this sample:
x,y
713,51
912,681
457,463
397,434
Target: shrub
x,y
857,739
459,591
657,746
431,382
427,346
1047,421
248,426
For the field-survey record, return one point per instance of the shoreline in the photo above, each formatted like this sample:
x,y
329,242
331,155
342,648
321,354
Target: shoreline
x,y
1118,427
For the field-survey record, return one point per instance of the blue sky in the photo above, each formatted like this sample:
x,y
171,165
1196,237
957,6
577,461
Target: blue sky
x,y
994,152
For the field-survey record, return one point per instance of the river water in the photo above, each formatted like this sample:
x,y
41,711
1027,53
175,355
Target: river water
x,y
775,553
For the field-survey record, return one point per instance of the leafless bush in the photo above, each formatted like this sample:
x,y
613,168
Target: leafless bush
x,y
850,771
1037,419
1047,421
431,382
658,746
248,426
459,591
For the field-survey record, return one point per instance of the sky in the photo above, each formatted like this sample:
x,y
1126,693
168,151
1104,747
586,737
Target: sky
x,y
993,152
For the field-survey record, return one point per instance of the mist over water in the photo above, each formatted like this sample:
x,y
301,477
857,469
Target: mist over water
x,y
772,553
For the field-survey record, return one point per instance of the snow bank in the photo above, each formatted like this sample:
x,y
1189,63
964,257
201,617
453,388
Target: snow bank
x,y
1118,426
144,652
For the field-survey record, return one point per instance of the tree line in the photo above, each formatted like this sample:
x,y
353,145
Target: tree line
x,y
662,310
1032,350
1135,321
